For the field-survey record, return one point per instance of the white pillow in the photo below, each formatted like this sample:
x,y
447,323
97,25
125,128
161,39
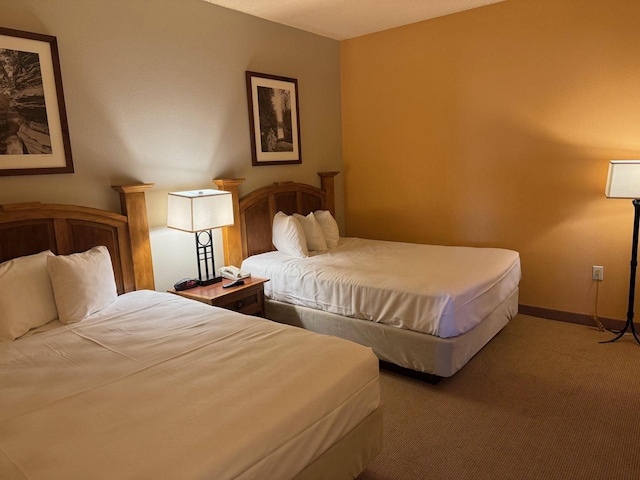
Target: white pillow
x,y
83,283
312,232
329,227
288,236
26,296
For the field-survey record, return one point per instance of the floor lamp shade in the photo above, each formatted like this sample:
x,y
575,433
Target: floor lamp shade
x,y
199,210
623,180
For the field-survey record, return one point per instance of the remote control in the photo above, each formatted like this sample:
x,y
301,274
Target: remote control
x,y
237,283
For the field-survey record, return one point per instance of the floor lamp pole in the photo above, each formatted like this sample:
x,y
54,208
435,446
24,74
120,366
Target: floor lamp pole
x,y
632,279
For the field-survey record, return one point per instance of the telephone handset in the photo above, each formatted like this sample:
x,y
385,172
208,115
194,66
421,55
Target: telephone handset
x,y
233,273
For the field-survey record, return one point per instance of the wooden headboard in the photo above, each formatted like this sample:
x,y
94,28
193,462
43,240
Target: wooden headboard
x,y
28,228
254,212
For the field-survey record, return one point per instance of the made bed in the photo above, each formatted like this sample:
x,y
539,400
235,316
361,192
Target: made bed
x,y
119,381
426,308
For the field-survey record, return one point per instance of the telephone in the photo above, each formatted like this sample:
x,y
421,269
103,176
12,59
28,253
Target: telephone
x,y
233,273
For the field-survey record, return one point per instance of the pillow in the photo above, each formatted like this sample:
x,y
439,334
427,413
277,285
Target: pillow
x,y
329,227
288,236
83,283
26,296
312,232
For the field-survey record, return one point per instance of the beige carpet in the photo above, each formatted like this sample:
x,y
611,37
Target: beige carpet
x,y
543,400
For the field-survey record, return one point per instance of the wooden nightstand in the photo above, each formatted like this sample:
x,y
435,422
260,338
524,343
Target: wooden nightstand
x,y
247,298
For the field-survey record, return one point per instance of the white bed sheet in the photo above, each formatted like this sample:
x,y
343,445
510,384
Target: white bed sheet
x,y
157,386
439,290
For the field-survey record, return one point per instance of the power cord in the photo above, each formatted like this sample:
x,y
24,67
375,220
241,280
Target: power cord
x,y
595,317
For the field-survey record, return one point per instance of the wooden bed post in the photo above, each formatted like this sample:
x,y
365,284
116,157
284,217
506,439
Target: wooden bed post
x,y
134,207
232,235
327,185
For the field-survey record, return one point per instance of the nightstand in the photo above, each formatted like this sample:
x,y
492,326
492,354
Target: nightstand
x,y
247,298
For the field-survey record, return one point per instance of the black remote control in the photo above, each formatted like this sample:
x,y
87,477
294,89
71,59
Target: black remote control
x,y
237,283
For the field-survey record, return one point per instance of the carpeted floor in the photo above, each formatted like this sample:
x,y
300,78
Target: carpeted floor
x,y
543,400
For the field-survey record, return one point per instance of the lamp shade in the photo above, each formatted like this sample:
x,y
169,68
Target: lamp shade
x,y
198,210
623,180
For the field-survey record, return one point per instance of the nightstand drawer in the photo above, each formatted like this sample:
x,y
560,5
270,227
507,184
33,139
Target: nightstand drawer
x,y
247,304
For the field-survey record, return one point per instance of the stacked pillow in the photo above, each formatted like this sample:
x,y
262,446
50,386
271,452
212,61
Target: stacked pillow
x,y
288,236
36,289
26,295
83,283
329,227
297,235
312,232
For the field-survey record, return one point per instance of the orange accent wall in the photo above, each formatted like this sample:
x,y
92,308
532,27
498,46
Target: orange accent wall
x,y
495,127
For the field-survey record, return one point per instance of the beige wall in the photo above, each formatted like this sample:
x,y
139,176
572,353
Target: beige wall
x,y
155,92
494,127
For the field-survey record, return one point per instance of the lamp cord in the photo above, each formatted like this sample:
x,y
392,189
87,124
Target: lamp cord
x,y
595,317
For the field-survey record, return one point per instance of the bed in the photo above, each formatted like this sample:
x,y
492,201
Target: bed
x,y
425,308
152,385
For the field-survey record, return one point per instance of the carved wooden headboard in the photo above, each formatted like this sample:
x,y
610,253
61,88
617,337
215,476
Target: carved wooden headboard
x,y
28,228
254,212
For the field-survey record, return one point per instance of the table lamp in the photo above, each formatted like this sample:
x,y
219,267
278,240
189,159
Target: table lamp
x,y
199,212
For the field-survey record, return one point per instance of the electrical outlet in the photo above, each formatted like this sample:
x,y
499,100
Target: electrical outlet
x,y
597,273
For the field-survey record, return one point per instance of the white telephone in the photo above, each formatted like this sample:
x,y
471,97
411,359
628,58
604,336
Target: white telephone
x,y
233,273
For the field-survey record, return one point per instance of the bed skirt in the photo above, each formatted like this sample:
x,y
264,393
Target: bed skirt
x,y
348,457
416,351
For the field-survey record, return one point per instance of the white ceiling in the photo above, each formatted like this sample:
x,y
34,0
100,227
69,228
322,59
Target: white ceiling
x,y
343,19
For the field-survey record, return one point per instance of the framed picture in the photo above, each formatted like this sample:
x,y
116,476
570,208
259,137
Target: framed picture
x,y
274,119
34,134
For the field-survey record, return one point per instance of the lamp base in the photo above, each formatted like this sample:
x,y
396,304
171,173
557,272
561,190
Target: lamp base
x,y
619,333
203,282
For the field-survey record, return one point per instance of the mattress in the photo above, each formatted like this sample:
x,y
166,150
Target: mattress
x,y
443,291
157,386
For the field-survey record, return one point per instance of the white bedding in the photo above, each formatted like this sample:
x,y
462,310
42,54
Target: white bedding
x,y
439,290
157,386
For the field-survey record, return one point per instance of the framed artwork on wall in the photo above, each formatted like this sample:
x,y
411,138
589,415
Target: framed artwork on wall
x,y
274,119
34,134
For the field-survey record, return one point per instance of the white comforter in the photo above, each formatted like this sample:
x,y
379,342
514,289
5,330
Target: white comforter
x,y
157,386
438,290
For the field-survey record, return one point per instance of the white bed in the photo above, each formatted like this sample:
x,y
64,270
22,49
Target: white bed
x,y
432,289
132,383
422,307
159,386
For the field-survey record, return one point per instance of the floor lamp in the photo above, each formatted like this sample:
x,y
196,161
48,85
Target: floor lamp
x,y
623,181
199,212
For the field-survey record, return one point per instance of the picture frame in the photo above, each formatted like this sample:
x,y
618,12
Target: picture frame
x,y
274,119
34,132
